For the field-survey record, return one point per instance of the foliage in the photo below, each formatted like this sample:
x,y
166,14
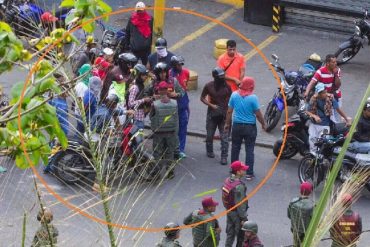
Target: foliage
x,y
87,10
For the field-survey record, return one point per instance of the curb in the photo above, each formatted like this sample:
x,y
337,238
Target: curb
x,y
259,143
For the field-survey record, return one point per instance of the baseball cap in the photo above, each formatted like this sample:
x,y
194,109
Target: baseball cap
x,y
48,17
108,51
163,85
306,188
139,6
209,202
319,87
238,166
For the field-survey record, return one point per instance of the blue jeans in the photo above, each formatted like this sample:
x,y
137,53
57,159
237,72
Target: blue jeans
x,y
183,127
139,124
248,133
360,147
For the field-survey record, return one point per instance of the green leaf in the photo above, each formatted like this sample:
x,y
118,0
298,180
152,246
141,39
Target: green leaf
x,y
5,27
47,84
88,27
104,6
4,134
67,3
16,90
20,161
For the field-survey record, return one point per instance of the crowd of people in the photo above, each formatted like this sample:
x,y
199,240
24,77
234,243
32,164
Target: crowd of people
x,y
154,85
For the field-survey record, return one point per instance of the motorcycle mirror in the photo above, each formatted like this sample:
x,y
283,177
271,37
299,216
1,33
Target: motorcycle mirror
x,y
274,56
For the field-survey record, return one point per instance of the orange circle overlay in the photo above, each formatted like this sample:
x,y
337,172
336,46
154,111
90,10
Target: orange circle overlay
x,y
96,219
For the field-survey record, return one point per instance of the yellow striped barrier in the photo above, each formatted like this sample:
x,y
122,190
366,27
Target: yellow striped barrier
x,y
276,9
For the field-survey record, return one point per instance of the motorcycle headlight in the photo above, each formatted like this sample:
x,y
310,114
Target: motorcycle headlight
x,y
357,30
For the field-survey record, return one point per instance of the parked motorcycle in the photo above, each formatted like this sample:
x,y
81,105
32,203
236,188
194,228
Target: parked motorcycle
x,y
348,49
122,150
297,135
314,168
113,38
294,84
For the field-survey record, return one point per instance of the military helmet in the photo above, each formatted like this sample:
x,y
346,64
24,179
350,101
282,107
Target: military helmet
x,y
161,43
141,69
171,233
250,226
218,73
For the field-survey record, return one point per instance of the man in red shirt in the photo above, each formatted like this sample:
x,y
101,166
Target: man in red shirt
x,y
233,63
330,76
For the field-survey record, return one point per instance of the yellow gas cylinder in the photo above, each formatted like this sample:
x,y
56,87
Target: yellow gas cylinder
x,y
193,80
220,47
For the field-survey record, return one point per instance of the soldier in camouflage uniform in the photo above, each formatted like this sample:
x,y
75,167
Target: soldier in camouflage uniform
x,y
233,192
300,213
251,238
47,234
170,240
347,230
202,234
164,123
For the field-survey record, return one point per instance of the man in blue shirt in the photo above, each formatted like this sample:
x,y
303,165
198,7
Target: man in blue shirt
x,y
244,109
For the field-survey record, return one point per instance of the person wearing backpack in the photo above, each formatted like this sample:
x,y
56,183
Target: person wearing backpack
x,y
233,192
208,233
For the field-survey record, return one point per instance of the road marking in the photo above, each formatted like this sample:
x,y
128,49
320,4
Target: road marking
x,y
261,46
236,3
202,30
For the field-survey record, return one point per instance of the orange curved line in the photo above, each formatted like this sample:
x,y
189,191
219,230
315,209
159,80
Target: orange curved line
x,y
96,219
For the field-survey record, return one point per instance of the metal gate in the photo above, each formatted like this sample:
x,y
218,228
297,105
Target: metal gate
x,y
333,15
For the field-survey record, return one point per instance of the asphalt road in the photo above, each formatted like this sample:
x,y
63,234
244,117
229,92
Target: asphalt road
x,y
172,200
143,205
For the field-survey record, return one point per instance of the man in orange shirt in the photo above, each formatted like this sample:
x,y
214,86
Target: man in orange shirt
x,y
233,63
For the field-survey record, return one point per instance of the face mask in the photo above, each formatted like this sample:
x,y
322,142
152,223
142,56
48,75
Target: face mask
x,y
162,52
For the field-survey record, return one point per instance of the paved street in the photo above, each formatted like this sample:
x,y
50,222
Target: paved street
x,y
171,201
174,199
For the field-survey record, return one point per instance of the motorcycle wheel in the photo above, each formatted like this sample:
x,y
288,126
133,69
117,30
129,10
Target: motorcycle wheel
x,y
289,149
68,159
307,170
272,116
346,54
147,168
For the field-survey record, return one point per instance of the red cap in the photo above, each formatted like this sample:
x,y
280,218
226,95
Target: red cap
x,y
209,202
306,188
98,60
163,85
347,198
48,17
238,166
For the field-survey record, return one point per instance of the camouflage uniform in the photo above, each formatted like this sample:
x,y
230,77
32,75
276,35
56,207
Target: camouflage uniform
x,y
164,123
42,238
300,213
202,236
235,217
166,242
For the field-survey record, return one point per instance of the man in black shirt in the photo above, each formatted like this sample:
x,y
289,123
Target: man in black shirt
x,y
161,54
216,96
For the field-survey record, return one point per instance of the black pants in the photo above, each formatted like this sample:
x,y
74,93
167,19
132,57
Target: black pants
x,y
142,55
211,125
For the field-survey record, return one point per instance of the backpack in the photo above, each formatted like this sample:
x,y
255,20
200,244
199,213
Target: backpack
x,y
228,192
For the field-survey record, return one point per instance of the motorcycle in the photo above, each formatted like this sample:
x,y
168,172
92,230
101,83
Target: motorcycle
x,y
113,38
348,49
297,135
314,168
294,84
122,150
